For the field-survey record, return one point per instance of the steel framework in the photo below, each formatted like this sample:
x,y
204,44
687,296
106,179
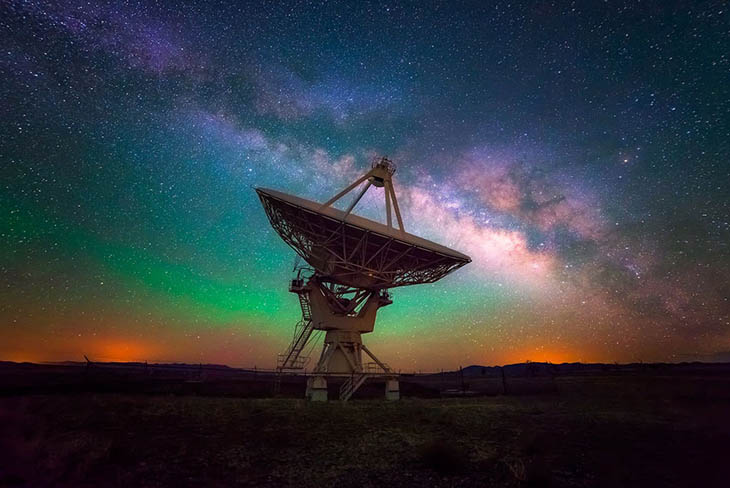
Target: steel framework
x,y
354,262
352,254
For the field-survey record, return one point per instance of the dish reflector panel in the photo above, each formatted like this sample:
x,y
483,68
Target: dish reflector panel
x,y
354,251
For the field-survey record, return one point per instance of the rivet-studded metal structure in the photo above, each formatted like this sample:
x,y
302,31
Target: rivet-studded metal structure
x,y
354,261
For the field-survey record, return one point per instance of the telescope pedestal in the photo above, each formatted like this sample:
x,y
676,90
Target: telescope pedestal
x,y
341,354
342,357
344,314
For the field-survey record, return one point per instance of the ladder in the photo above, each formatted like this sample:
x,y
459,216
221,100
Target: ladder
x,y
352,384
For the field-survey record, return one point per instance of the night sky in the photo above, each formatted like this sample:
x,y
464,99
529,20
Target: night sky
x,y
578,152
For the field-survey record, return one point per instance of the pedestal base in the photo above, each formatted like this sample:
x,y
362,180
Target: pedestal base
x,y
392,390
316,389
342,353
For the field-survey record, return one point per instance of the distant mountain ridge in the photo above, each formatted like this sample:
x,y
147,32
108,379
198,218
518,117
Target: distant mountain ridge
x,y
474,370
544,368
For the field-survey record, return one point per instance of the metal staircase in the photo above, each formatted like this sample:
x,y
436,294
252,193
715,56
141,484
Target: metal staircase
x,y
306,306
292,359
352,384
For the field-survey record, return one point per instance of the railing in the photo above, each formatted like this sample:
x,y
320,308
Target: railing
x,y
384,163
286,361
374,368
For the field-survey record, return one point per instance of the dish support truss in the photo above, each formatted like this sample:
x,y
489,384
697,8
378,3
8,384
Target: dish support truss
x,y
380,175
344,314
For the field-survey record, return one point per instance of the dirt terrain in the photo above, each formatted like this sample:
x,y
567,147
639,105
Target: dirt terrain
x,y
595,430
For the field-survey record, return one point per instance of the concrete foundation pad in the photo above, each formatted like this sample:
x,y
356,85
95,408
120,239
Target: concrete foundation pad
x,y
392,390
316,389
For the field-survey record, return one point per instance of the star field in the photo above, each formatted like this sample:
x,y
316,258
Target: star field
x,y
577,152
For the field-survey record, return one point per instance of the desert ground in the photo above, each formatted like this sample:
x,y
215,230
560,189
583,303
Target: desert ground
x,y
584,431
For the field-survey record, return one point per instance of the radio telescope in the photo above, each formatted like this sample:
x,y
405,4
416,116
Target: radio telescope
x,y
354,261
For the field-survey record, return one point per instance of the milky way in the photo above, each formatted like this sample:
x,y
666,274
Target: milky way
x,y
578,154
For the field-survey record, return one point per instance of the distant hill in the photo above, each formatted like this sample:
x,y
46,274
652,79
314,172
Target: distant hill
x,y
543,369
512,370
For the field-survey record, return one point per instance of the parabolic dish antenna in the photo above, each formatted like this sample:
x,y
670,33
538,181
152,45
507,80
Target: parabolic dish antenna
x,y
354,260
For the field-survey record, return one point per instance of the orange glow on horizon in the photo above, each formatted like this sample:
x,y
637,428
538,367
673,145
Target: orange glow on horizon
x,y
97,349
548,355
124,350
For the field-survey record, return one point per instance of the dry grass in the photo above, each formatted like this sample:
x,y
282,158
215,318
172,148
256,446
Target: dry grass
x,y
612,432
